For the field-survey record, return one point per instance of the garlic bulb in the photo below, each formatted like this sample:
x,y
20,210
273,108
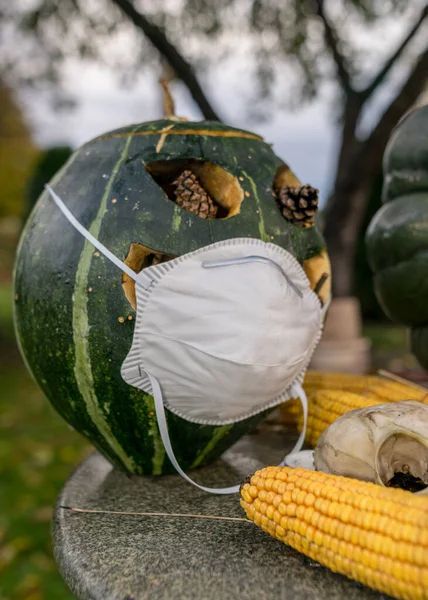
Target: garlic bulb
x,y
386,444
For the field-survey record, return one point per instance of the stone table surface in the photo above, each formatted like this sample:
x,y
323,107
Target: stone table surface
x,y
130,557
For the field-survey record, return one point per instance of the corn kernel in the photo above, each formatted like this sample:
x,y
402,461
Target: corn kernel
x,y
280,531
300,512
282,508
378,536
253,491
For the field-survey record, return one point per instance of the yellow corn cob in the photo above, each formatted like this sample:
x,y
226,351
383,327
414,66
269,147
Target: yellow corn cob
x,y
375,535
322,380
393,391
382,387
326,406
331,395
338,381
289,412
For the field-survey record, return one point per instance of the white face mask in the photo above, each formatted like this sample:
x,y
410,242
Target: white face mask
x,y
221,334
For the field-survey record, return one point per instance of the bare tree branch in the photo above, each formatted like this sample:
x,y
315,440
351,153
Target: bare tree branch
x,y
183,69
332,41
345,210
406,97
377,80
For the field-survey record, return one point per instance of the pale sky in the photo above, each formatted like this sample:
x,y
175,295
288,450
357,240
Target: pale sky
x,y
305,138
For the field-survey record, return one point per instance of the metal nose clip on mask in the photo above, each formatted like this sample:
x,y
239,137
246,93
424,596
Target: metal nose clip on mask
x,y
221,334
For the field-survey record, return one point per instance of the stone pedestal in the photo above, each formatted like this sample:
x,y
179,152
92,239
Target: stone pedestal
x,y
342,348
131,557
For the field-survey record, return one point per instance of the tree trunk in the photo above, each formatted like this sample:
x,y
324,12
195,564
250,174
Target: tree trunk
x,y
345,204
346,210
342,236
359,165
349,143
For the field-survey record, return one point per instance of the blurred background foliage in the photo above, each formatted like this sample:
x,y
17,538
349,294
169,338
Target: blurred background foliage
x,y
293,51
48,162
17,154
37,449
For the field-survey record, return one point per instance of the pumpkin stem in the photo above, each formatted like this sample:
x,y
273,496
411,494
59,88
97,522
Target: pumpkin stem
x,y
168,103
168,100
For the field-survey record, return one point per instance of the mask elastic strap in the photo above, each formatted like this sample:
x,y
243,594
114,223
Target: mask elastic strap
x,y
297,391
138,277
325,307
163,430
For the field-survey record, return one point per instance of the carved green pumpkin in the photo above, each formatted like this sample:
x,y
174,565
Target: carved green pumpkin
x,y
397,238
75,310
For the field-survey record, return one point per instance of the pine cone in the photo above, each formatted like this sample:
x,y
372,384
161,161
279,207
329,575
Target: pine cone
x,y
191,196
298,204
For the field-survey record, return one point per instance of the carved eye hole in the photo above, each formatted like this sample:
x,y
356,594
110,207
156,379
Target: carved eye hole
x,y
298,203
202,188
198,186
139,257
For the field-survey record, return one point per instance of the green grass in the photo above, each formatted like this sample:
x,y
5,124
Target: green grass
x,y
37,453
391,348
387,337
6,309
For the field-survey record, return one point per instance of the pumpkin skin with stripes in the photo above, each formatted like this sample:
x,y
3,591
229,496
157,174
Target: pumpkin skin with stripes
x,y
397,237
74,315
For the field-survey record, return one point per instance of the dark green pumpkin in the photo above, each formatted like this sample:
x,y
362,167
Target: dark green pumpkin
x,y
73,310
397,238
